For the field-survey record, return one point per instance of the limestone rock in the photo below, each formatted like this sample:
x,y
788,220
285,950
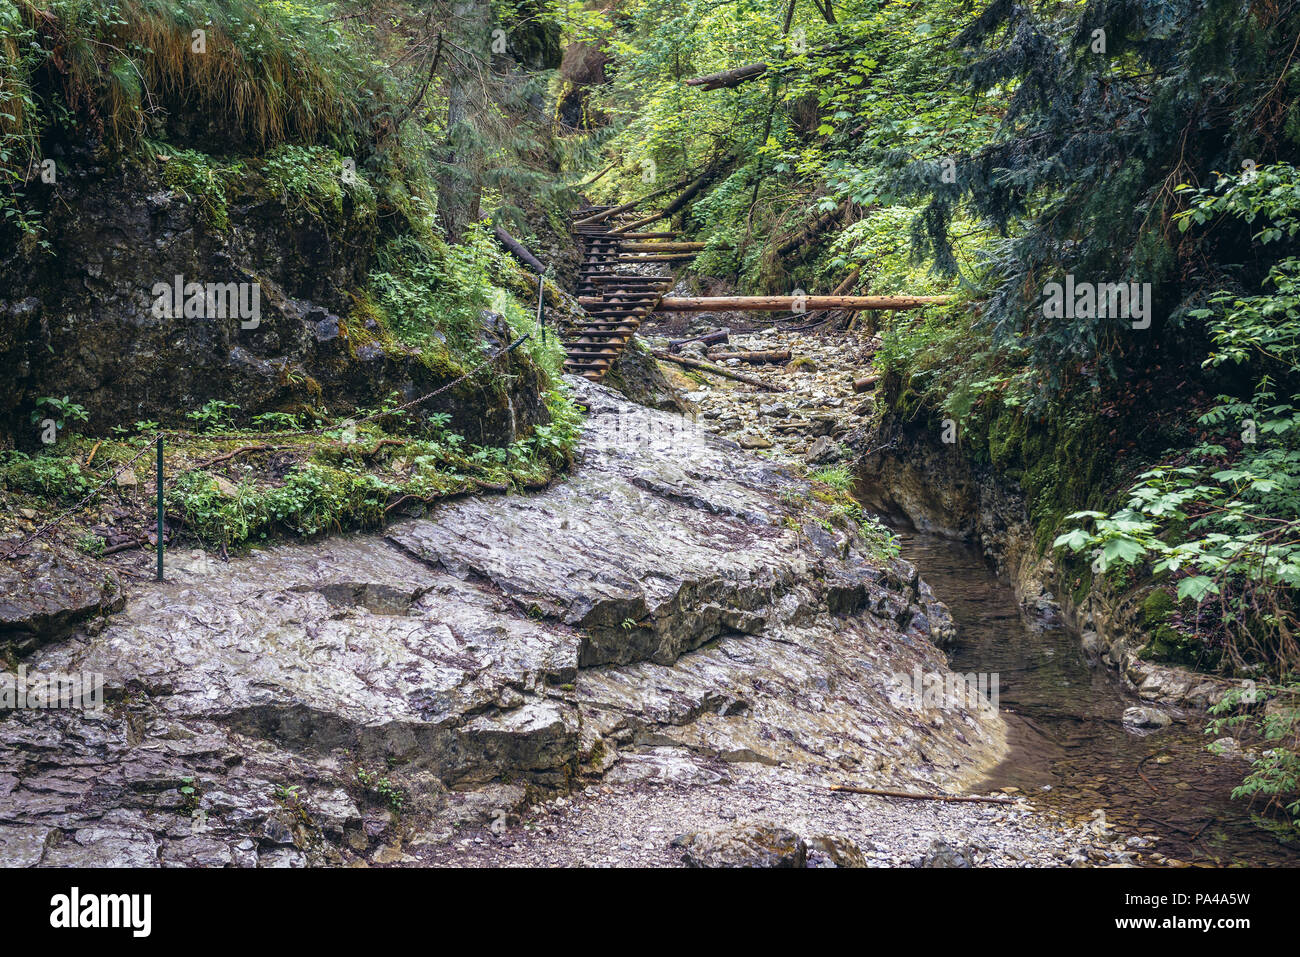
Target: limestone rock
x,y
752,845
831,850
824,452
1146,718
655,616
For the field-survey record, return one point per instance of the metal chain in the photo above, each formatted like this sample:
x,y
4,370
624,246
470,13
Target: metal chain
x,y
14,551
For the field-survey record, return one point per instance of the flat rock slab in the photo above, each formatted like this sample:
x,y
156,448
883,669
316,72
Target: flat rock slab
x,y
676,607
47,591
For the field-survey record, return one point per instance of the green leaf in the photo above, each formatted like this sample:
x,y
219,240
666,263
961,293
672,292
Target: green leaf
x,y
1122,549
1196,587
1073,540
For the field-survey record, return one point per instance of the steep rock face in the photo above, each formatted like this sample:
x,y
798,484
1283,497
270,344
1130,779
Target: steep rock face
x,y
364,694
907,470
81,321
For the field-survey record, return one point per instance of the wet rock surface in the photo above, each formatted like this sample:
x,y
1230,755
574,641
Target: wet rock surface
x,y
651,629
71,590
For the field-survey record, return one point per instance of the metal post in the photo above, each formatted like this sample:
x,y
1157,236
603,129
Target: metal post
x,y
541,299
160,507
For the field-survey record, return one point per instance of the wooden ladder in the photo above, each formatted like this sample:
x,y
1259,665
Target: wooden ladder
x,y
614,301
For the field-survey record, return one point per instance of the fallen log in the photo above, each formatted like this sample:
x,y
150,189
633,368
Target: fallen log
x,y
806,234
717,370
758,357
843,289
913,796
123,546
638,236
615,210
709,338
687,195
616,297
518,250
243,450
655,257
590,182
865,383
662,247
729,78
847,285
786,303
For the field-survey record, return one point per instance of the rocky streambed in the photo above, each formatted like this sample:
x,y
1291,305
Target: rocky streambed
x,y
668,657
1097,734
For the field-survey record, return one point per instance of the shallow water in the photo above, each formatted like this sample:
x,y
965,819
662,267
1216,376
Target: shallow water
x,y
1069,749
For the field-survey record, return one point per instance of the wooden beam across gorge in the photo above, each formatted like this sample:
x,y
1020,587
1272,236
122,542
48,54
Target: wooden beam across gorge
x,y
787,303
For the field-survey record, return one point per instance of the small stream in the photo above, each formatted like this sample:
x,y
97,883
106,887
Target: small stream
x,y
1069,749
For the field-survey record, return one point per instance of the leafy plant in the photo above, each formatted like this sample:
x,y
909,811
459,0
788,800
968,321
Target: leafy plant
x,y
50,475
213,415
61,410
1224,518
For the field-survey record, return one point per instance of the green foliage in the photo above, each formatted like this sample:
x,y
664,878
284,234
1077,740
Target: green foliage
x,y
383,789
837,477
202,180
432,296
341,487
555,442
317,179
548,355
262,74
49,475
832,487
91,544
841,110
1079,176
213,415
277,421
1223,518
265,70
313,499
62,410
1273,713
20,153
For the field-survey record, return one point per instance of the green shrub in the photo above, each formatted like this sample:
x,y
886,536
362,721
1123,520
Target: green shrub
x,y
49,475
316,179
202,180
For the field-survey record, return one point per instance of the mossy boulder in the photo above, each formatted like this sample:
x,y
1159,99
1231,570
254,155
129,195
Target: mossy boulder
x,y
1169,644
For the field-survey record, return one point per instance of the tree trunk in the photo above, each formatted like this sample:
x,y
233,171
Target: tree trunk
x,y
729,78
615,210
709,338
718,370
806,235
661,247
689,194
519,250
786,303
757,358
